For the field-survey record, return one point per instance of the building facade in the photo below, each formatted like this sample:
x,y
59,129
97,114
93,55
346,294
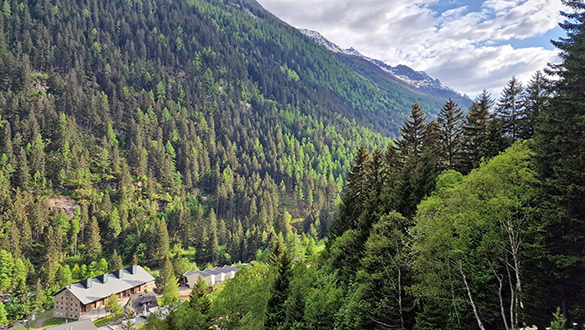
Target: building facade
x,y
81,297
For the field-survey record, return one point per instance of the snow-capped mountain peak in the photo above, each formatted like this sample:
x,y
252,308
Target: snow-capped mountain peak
x,y
417,79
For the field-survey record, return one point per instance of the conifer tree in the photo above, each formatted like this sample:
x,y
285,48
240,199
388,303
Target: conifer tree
x,y
197,308
509,109
165,275
380,299
451,134
212,242
94,244
476,131
535,98
355,197
560,137
276,312
116,261
178,265
412,133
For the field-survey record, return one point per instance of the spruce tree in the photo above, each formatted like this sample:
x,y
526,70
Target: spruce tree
x,y
450,125
535,98
476,131
94,244
380,299
560,158
276,311
509,109
165,274
412,133
355,197
418,148
212,243
116,261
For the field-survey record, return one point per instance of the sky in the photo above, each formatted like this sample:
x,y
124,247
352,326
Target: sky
x,y
468,45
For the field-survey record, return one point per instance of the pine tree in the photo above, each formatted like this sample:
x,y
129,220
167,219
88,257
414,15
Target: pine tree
x,y
94,244
451,134
535,98
509,109
412,133
476,131
357,194
276,312
560,157
116,261
212,242
165,275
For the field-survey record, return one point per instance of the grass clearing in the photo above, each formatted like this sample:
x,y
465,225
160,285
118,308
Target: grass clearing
x,y
106,320
53,321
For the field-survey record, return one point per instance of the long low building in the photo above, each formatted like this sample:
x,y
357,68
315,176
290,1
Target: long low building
x,y
81,297
211,276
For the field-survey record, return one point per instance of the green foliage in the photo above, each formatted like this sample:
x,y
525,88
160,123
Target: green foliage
x,y
489,221
112,304
276,310
559,322
170,295
559,156
3,314
379,298
242,302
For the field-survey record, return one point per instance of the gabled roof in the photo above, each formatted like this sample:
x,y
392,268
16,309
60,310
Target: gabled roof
x,y
99,290
215,271
85,324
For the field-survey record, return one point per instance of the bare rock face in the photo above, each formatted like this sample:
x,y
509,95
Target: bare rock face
x,y
63,203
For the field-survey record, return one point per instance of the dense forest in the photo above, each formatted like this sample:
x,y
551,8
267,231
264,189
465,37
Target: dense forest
x,y
471,221
183,133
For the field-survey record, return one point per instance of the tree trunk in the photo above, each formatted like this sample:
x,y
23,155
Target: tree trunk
x,y
502,309
475,312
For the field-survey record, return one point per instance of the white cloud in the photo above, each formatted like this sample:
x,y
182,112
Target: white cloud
x,y
467,50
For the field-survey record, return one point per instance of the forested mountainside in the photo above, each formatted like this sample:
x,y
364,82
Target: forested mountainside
x,y
180,133
472,221
131,126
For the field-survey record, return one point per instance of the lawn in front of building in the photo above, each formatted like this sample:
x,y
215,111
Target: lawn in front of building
x,y
53,321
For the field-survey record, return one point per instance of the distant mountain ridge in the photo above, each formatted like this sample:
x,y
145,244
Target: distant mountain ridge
x,y
418,81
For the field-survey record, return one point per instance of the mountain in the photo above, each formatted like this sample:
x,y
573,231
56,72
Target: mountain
x,y
135,130
129,127
416,81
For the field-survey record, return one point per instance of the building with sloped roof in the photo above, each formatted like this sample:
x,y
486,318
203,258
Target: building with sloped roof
x,y
213,276
81,297
141,303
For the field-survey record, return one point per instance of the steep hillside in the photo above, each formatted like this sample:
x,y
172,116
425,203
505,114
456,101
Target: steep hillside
x,y
400,81
186,123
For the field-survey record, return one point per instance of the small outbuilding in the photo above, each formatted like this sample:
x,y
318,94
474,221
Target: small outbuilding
x,y
213,276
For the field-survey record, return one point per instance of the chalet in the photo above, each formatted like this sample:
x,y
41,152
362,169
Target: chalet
x,y
211,276
81,297
141,303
